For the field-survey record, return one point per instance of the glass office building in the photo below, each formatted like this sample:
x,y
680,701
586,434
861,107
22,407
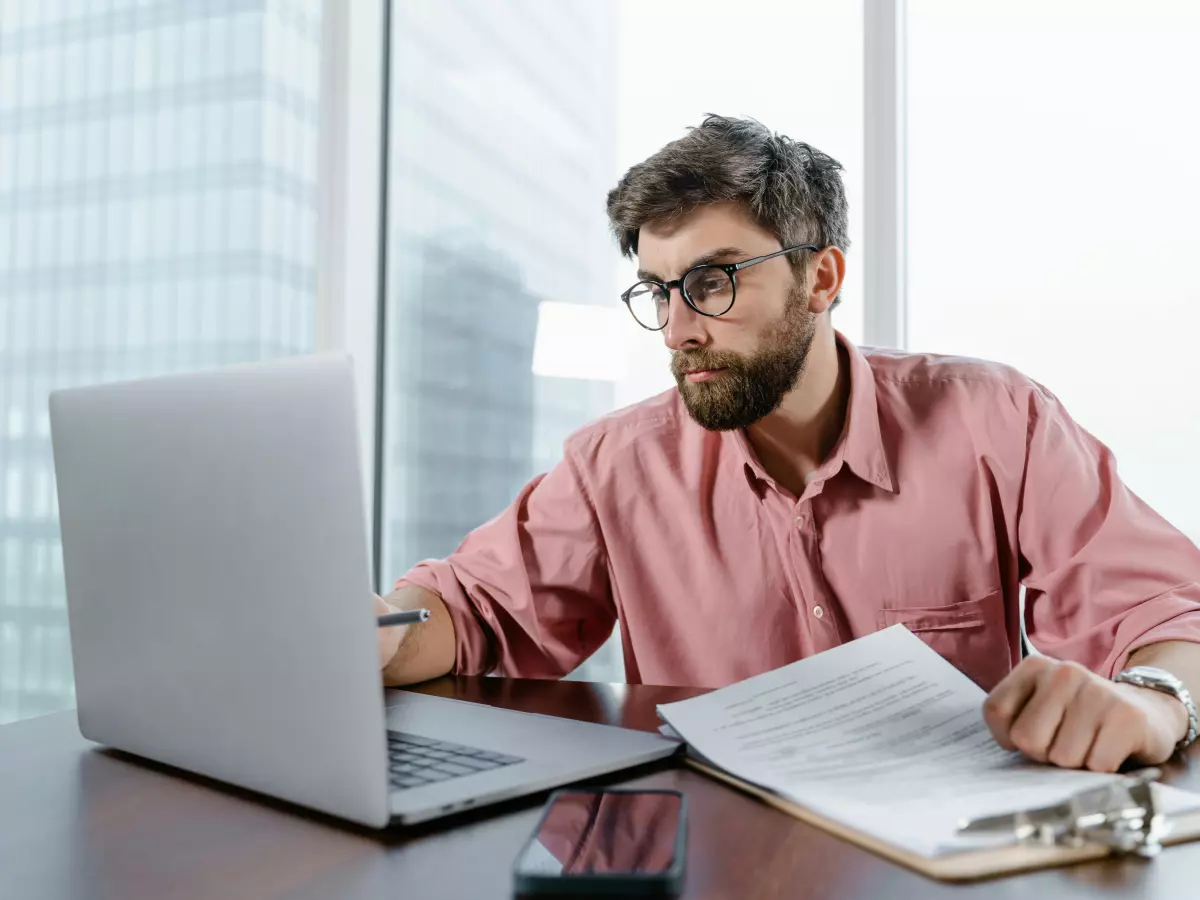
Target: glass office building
x,y
502,144
502,148
157,212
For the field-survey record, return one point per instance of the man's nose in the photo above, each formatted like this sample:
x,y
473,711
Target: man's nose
x,y
685,326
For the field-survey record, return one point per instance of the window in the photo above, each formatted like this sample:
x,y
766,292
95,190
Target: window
x,y
158,204
509,124
110,188
1052,197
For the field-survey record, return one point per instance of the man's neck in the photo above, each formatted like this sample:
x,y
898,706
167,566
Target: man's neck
x,y
792,442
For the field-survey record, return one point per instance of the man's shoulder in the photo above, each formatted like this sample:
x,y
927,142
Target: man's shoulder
x,y
934,375
657,420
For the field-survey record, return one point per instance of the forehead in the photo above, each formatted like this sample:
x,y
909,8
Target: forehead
x,y
668,247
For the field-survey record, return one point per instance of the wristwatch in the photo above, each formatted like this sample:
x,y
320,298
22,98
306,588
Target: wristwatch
x,y
1161,680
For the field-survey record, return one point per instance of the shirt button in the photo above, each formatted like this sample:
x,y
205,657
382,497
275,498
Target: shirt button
x,y
818,612
801,521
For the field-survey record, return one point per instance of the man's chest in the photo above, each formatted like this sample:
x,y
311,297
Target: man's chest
x,y
733,585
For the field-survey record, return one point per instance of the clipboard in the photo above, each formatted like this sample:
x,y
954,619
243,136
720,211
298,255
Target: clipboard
x,y
969,865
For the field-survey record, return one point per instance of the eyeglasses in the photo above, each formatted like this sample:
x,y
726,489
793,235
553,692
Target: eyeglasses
x,y
709,289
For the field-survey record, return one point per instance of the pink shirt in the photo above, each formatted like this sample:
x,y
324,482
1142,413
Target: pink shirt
x,y
954,483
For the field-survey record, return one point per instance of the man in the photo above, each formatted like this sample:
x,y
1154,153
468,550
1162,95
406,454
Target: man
x,y
795,493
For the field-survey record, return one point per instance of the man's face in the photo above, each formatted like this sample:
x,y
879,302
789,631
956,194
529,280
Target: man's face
x,y
735,369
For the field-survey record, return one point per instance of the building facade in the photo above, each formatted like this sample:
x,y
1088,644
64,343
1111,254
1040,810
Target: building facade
x,y
157,213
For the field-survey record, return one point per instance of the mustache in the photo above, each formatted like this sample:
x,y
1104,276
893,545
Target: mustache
x,y
684,361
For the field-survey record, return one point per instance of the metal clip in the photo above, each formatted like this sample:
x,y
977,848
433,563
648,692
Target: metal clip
x,y
1119,815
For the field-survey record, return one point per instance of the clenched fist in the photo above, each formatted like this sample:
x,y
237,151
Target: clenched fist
x,y
1062,713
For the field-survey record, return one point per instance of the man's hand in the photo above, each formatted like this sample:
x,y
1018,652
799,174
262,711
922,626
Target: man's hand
x,y
1061,713
412,653
389,638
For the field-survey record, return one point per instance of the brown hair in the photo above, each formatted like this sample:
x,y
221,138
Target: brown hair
x,y
793,190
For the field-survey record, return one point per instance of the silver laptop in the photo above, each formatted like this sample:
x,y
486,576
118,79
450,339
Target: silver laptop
x,y
215,546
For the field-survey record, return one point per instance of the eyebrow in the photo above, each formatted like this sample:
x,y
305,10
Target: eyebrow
x,y
710,257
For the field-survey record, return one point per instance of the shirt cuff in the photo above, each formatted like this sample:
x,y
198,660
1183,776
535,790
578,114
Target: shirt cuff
x,y
1166,618
473,652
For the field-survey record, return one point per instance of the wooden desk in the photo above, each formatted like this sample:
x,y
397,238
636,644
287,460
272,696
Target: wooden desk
x,y
76,821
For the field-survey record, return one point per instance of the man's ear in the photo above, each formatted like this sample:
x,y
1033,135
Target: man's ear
x,y
826,272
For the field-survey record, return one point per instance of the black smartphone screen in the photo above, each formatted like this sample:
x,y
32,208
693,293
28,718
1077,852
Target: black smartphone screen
x,y
635,834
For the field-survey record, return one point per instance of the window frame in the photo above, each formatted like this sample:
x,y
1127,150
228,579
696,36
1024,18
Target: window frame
x,y
351,227
885,183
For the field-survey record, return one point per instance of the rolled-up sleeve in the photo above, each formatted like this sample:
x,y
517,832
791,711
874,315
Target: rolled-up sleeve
x,y
1104,573
528,592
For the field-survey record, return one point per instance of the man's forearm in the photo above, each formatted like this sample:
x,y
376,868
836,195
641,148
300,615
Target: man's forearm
x,y
427,650
1181,659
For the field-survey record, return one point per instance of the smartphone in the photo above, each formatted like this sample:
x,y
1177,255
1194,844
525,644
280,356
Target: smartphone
x,y
594,842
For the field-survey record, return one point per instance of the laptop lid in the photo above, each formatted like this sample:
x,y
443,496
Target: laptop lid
x,y
218,588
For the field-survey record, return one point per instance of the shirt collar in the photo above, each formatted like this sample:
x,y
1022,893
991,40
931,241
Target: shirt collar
x,y
862,436
860,446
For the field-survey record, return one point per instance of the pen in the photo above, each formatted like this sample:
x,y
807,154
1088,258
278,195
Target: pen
x,y
409,617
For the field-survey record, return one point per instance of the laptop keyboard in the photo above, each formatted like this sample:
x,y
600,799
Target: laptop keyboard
x,y
416,761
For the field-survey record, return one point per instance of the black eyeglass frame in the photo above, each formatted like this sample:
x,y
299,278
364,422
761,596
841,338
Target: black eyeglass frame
x,y
730,269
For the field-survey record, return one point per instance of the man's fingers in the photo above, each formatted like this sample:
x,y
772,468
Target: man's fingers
x,y
1080,725
388,638
1008,698
1036,726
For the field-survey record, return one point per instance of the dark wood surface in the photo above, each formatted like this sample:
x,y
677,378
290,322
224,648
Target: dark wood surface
x,y
78,821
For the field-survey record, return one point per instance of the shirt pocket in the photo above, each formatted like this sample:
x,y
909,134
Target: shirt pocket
x,y
970,634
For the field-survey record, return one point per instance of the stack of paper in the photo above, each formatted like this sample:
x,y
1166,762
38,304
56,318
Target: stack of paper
x,y
883,736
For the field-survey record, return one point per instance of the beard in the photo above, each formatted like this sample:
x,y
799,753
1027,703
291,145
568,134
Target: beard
x,y
751,387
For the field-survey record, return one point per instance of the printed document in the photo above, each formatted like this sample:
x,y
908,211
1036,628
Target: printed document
x,y
883,735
